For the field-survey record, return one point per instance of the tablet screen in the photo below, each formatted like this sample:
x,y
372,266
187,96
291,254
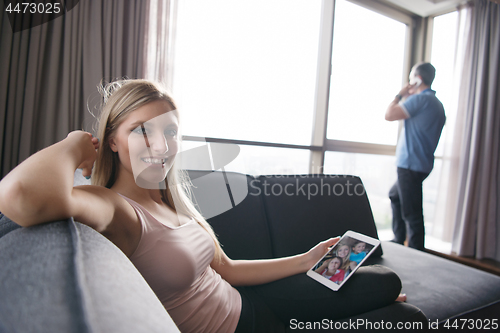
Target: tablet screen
x,y
336,267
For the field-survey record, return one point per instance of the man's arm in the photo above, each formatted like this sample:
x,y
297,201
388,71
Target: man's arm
x,y
394,110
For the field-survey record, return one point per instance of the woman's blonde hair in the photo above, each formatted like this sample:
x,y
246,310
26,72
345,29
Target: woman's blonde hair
x,y
120,98
345,262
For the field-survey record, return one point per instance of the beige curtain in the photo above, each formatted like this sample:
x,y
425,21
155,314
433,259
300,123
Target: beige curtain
x,y
160,41
50,72
476,198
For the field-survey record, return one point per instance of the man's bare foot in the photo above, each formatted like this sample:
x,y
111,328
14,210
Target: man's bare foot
x,y
401,298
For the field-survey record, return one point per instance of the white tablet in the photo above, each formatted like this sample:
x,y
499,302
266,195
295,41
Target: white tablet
x,y
345,257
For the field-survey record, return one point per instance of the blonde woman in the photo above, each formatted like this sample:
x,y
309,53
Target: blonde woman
x,y
138,200
344,252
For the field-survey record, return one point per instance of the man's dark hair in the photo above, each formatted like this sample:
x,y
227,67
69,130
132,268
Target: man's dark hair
x,y
427,72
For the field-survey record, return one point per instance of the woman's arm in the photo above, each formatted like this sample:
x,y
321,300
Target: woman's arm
x,y
40,188
253,272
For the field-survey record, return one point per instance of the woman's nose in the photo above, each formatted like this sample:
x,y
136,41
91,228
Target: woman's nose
x,y
158,143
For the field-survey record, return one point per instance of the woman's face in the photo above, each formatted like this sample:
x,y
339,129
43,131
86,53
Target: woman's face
x,y
334,265
358,248
147,142
343,251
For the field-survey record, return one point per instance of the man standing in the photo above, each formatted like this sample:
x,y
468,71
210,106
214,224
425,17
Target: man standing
x,y
424,119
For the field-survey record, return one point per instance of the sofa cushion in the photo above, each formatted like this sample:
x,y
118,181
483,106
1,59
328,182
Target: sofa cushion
x,y
441,288
305,209
242,229
6,225
66,277
406,317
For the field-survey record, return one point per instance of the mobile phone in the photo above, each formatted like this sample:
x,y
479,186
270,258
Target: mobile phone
x,y
415,81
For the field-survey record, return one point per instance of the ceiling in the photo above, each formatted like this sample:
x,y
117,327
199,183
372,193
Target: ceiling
x,y
426,8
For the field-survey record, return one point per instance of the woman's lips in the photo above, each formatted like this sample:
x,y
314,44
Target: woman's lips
x,y
154,161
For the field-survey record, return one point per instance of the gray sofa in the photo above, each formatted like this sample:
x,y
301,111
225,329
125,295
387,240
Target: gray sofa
x,y
65,277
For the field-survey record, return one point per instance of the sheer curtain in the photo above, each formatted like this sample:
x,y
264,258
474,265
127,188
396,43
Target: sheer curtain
x,y
160,39
474,192
449,63
50,72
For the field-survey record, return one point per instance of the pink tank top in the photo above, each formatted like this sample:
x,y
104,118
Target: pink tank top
x,y
176,264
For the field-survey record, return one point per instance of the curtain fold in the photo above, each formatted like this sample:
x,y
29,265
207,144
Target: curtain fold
x,y
160,40
445,208
50,72
477,220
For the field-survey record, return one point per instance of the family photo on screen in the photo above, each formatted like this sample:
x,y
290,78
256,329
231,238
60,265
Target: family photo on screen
x,y
342,259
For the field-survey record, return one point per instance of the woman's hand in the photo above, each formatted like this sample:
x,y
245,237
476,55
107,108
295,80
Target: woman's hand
x,y
316,253
89,146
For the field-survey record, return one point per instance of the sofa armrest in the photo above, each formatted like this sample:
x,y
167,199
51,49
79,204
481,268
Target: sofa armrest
x,y
66,277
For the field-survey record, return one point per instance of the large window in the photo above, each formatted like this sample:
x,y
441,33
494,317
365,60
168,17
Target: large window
x,y
368,55
368,68
246,70
256,73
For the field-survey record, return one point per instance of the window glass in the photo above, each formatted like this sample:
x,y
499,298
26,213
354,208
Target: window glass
x,y
443,57
247,69
257,160
378,173
444,39
430,197
367,72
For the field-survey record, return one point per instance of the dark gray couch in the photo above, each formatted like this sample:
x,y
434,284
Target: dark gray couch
x,y
271,222
65,277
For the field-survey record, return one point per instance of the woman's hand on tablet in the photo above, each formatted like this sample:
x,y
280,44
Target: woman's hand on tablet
x,y
317,252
